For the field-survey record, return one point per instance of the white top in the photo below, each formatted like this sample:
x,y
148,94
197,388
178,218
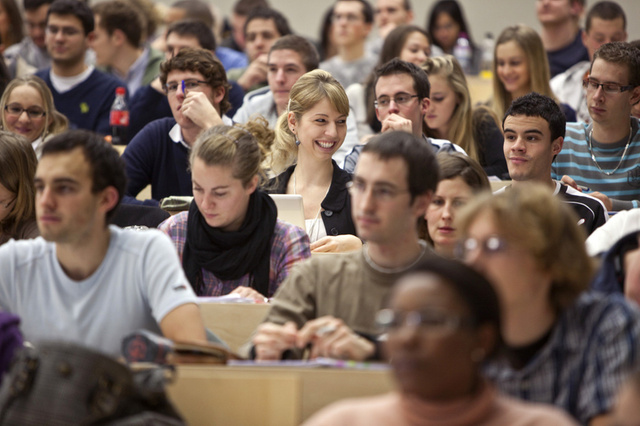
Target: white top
x,y
139,281
64,84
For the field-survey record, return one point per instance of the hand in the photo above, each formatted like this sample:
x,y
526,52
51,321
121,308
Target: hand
x,y
255,73
330,337
395,122
568,180
198,108
271,340
249,293
386,29
337,244
605,200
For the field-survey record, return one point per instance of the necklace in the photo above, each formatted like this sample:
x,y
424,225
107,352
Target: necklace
x,y
593,157
310,231
382,269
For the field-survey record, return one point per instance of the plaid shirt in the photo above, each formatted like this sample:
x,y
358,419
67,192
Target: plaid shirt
x,y
289,245
593,346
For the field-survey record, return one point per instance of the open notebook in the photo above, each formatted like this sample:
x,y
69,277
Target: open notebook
x,y
290,208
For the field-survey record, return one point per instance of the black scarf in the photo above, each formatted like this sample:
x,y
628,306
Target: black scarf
x,y
231,255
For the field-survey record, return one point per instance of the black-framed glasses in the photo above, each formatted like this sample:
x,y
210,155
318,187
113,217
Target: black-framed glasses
x,y
493,244
610,88
429,320
399,99
16,110
190,84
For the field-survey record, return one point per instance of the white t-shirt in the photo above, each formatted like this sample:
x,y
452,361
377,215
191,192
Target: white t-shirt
x,y
139,282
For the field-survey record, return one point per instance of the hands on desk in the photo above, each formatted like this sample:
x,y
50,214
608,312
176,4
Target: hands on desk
x,y
337,244
327,336
249,293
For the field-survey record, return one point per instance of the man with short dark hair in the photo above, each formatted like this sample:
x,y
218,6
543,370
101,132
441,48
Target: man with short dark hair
x,y
603,155
388,15
330,302
239,14
84,281
561,34
606,22
80,92
534,127
352,21
198,94
262,28
118,44
30,54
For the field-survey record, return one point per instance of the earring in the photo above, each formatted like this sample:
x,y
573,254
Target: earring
x,y
297,142
477,355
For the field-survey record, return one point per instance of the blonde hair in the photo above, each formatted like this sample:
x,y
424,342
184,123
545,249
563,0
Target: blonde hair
x,y
242,147
460,128
56,121
544,226
539,75
310,89
18,164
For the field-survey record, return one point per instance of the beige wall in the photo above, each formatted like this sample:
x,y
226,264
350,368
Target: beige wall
x,y
482,15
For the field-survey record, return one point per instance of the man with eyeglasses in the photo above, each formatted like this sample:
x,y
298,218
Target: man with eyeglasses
x,y
329,303
80,92
197,90
351,24
605,22
534,127
31,53
603,156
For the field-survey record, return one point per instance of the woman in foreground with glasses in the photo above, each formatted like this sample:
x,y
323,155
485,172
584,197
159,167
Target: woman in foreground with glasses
x,y
230,240
564,345
307,135
442,324
28,110
520,66
461,178
17,194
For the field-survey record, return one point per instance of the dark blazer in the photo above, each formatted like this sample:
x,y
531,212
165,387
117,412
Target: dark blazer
x,y
336,215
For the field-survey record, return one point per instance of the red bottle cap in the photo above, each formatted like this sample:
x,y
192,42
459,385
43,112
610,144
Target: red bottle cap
x,y
120,91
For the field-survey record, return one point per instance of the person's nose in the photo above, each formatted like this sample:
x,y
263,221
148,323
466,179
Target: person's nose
x,y
393,107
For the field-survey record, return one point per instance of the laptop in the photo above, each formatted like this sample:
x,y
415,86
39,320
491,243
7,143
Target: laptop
x,y
290,208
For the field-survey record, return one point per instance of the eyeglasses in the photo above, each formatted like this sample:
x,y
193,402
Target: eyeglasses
x,y
66,31
399,99
609,88
493,244
350,17
429,320
190,84
16,110
379,193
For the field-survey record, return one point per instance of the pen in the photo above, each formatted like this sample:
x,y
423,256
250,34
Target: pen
x,y
583,188
183,91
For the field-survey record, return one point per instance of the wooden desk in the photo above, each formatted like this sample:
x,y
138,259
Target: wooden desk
x,y
233,322
480,88
221,395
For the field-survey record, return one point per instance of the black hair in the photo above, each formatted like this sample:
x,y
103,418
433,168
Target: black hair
x,y
397,66
196,10
607,11
367,10
536,105
423,172
107,168
472,287
303,47
281,23
621,53
34,4
194,28
79,9
453,9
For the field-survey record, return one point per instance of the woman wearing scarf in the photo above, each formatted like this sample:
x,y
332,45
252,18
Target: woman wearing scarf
x,y
230,240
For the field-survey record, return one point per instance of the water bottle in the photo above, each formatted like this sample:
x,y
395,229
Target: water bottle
x,y
488,45
462,52
119,118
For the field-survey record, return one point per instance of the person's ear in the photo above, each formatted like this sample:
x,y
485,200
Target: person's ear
x,y
252,185
424,106
218,95
486,342
109,198
635,95
556,145
291,120
421,202
118,37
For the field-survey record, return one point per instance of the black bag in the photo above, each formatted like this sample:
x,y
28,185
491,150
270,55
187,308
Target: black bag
x,y
63,383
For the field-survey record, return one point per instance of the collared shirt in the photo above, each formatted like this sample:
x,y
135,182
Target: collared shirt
x,y
595,343
134,76
175,134
289,245
26,55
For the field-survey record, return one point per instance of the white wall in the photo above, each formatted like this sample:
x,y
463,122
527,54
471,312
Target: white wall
x,y
482,15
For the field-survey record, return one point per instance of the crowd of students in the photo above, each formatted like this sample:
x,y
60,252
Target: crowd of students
x,y
487,306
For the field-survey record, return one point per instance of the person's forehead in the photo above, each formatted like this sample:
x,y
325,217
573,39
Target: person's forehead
x,y
606,71
395,4
177,40
284,57
175,75
376,170
348,6
526,123
32,15
401,82
260,25
65,20
599,24
71,165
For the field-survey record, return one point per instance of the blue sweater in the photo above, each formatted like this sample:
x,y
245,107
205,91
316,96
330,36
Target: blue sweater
x,y
153,158
87,105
